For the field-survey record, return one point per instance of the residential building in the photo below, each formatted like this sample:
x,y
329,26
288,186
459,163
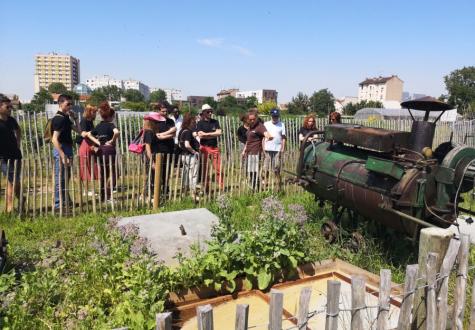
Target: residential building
x,y
340,103
262,95
138,85
174,95
227,92
196,101
381,89
56,68
104,81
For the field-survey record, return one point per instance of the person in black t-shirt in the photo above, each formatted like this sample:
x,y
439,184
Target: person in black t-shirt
x,y
189,153
208,130
104,135
242,131
86,146
63,149
150,140
10,153
309,125
166,144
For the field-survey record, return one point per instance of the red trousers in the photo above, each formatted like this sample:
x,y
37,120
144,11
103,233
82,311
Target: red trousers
x,y
213,153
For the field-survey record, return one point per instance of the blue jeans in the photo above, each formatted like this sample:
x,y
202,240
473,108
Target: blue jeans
x,y
60,174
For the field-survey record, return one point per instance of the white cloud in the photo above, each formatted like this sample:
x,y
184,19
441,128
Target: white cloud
x,y
211,42
242,50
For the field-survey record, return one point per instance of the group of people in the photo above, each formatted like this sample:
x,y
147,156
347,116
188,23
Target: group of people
x,y
192,139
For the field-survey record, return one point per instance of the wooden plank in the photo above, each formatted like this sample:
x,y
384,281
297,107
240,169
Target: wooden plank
x,y
472,311
384,292
157,179
242,316
304,302
164,321
443,284
461,282
358,305
410,282
205,317
275,309
333,304
431,290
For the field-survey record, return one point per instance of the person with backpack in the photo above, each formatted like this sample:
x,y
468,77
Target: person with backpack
x,y
105,135
10,153
62,124
189,153
86,146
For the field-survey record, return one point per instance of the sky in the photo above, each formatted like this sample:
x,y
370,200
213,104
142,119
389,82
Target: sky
x,y
204,46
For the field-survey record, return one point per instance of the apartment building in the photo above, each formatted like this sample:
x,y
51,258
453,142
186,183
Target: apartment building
x,y
56,68
381,89
104,81
262,95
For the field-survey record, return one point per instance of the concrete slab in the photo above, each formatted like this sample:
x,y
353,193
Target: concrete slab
x,y
162,230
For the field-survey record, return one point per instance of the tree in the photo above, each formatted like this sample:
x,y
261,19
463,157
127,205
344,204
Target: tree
x,y
212,103
135,106
39,101
266,107
133,95
251,102
229,101
97,96
57,88
74,96
460,85
299,104
351,108
158,96
322,102
112,92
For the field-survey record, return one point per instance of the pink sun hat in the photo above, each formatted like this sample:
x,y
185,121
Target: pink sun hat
x,y
155,116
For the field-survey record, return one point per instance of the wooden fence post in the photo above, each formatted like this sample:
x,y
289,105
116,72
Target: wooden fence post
x,y
164,321
434,240
205,317
333,304
304,302
431,306
443,285
384,292
242,316
461,282
358,286
157,180
472,312
275,309
404,322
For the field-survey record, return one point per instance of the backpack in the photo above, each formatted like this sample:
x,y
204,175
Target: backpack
x,y
137,146
48,132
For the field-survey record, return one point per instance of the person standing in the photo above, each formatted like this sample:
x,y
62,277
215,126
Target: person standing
x,y
150,140
274,149
105,135
166,144
309,125
208,131
62,124
86,146
189,153
178,120
10,151
242,131
253,148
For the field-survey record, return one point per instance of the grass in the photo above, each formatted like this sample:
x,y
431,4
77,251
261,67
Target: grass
x,y
82,273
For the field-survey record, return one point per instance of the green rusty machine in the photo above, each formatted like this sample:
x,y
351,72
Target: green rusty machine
x,y
392,177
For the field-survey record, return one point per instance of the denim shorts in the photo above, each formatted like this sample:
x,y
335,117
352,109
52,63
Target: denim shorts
x,y
8,169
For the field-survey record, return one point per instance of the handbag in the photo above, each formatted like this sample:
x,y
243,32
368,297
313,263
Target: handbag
x,y
136,146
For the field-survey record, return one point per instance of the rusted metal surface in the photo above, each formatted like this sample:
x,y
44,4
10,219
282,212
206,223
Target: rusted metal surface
x,y
378,139
426,103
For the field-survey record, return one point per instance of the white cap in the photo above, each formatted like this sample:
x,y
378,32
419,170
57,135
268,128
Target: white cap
x,y
206,107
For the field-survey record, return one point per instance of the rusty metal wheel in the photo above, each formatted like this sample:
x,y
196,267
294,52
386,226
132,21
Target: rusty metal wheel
x,y
356,242
329,230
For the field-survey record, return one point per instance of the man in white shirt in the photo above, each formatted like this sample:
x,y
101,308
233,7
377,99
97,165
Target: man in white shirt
x,y
274,148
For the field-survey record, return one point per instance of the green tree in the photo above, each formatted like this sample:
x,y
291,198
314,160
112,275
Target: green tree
x,y
112,92
266,107
460,85
135,106
229,101
97,96
72,94
158,96
209,100
251,102
322,102
39,101
133,95
57,88
299,104
351,108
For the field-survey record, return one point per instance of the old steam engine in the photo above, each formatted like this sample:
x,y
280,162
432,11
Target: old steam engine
x,y
392,177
